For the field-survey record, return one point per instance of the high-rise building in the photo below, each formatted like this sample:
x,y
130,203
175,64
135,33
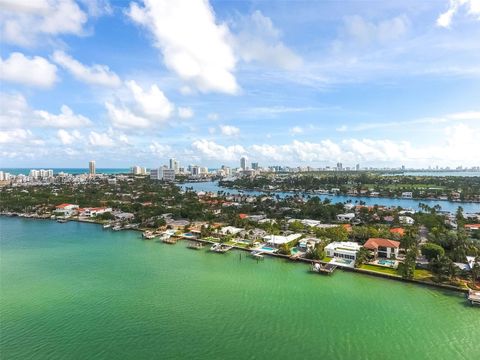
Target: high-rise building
x,y
357,167
91,168
339,166
255,166
174,165
243,163
34,174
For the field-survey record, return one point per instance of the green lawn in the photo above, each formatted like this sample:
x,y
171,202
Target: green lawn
x,y
326,259
379,269
421,274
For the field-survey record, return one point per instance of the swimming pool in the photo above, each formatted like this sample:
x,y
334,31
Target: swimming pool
x,y
266,248
386,262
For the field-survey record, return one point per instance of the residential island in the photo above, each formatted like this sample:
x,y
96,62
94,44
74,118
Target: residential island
x,y
428,245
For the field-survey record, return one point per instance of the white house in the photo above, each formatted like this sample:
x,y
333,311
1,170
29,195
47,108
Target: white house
x,y
66,209
343,250
407,194
94,211
346,217
407,220
277,240
232,230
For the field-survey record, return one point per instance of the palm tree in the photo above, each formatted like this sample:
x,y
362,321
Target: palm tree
x,y
363,255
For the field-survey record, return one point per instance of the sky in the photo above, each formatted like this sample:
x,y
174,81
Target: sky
x,y
375,83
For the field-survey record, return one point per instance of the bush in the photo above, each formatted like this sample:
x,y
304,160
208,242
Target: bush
x,y
432,251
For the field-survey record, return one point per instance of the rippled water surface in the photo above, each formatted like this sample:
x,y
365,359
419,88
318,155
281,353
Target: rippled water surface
x,y
75,291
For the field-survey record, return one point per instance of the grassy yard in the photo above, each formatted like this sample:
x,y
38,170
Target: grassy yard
x,y
421,274
326,259
379,269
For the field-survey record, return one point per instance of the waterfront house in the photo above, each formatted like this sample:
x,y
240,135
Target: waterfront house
x,y
308,243
177,224
122,216
407,194
383,248
277,240
66,209
230,230
94,211
344,253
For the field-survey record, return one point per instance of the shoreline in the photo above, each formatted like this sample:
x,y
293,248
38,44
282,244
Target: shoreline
x,y
305,193
286,257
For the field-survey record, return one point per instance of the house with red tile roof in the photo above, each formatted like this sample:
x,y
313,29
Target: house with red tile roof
x,y
383,248
472,227
66,209
398,231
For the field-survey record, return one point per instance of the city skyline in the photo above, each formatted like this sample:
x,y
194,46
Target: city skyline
x,y
381,86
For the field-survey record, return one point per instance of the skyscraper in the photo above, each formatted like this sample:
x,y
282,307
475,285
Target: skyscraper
x,y
243,163
174,165
91,167
255,166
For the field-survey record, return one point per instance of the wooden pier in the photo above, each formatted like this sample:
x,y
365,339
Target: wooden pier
x,y
323,268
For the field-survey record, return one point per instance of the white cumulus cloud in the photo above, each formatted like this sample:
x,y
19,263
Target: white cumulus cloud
x,y
214,151
100,139
193,45
26,23
472,8
34,71
229,130
95,74
185,112
66,119
259,40
68,138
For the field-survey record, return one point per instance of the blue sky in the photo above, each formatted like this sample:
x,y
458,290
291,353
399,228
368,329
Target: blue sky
x,y
281,82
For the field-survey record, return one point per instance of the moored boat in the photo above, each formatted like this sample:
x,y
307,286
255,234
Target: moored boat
x,y
474,297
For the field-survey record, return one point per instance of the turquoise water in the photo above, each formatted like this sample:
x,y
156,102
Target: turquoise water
x,y
451,206
75,291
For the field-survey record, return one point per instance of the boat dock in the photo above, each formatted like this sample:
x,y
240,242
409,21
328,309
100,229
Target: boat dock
x,y
195,245
220,248
323,268
474,297
257,254
170,240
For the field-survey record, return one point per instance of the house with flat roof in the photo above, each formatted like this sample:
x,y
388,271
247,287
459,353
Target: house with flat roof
x,y
344,253
383,248
277,240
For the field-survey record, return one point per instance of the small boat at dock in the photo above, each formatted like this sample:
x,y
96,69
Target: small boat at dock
x,y
195,245
62,221
323,268
107,226
148,235
220,248
474,297
257,254
117,228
